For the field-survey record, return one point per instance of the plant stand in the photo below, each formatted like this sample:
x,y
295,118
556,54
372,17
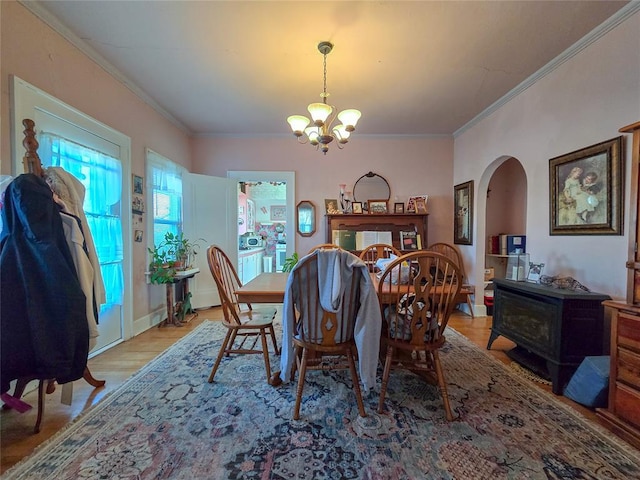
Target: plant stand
x,y
177,317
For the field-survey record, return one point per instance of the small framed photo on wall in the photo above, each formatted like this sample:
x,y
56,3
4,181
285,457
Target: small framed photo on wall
x,y
137,185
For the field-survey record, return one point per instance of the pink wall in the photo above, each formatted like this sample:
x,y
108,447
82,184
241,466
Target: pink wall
x,y
583,102
507,200
37,54
411,165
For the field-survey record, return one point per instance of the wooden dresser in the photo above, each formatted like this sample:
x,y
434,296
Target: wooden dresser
x,y
623,412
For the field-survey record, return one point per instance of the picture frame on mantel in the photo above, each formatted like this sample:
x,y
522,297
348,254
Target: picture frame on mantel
x,y
377,207
586,189
463,213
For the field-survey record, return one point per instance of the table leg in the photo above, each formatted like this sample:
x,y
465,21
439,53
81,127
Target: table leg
x,y
171,317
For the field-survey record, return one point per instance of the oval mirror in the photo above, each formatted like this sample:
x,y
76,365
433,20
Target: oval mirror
x,y
371,186
306,218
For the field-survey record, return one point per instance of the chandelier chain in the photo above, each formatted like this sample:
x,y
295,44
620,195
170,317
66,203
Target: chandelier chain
x,y
324,91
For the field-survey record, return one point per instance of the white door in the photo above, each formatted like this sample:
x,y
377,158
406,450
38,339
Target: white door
x,y
53,116
210,213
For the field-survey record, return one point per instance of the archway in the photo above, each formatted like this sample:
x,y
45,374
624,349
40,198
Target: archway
x,y
502,208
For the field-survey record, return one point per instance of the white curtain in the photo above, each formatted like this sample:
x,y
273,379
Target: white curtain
x,y
165,184
101,176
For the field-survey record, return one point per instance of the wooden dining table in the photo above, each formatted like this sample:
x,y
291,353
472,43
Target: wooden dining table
x,y
265,288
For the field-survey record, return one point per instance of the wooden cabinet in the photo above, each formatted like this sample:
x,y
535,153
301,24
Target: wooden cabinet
x,y
622,414
392,222
250,264
554,329
633,265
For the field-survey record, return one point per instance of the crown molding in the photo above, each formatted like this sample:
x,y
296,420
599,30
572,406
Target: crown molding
x,y
39,11
619,17
598,32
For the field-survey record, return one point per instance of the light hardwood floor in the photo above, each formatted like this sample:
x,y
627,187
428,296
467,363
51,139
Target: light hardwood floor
x,y
119,363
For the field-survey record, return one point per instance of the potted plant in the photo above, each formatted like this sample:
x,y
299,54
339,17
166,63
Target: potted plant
x,y
181,249
175,252
290,262
161,269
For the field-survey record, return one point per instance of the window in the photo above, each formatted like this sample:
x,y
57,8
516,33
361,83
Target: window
x,y
165,194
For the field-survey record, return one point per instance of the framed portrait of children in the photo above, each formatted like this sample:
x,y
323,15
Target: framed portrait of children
x,y
586,190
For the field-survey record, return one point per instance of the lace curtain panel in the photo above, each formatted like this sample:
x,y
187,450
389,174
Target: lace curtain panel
x,y
101,176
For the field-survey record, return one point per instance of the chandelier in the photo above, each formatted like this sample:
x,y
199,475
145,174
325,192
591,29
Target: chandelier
x,y
322,133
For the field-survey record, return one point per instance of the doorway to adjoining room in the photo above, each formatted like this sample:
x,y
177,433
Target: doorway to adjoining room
x,y
265,221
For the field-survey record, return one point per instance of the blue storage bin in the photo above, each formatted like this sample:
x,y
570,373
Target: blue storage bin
x,y
589,386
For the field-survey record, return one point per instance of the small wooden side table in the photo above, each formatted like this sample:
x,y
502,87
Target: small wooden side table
x,y
181,279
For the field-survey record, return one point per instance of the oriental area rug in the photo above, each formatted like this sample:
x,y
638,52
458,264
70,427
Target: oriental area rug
x,y
167,422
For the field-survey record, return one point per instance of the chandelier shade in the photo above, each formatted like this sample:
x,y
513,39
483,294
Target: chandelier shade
x,y
322,131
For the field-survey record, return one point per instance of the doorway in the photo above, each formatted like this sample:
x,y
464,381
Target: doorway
x,y
505,212
266,203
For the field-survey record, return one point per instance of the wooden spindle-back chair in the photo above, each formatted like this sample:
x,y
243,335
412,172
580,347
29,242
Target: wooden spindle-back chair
x,y
417,293
247,323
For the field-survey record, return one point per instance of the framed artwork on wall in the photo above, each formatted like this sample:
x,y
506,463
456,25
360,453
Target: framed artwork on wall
x,y
278,213
137,184
586,189
463,213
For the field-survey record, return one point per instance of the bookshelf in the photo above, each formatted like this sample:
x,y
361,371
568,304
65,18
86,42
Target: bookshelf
x,y
390,222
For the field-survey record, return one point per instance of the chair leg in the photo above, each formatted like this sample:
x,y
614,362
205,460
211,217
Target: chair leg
x,y
356,382
385,378
265,353
470,305
273,339
442,384
296,363
223,349
301,375
233,340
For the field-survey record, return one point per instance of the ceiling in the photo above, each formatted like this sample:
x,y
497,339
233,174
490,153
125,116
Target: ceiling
x,y
240,67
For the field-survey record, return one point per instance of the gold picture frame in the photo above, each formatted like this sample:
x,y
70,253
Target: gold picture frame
x,y
586,189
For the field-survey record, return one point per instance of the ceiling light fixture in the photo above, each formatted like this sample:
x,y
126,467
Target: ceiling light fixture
x,y
321,133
